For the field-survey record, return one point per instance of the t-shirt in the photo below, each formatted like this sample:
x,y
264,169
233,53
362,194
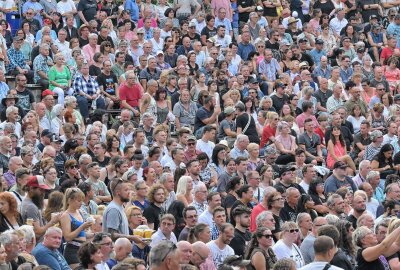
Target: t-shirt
x,y
319,266
240,241
25,99
208,32
99,188
51,258
30,210
283,251
206,147
332,184
108,82
378,264
307,248
310,143
88,8
115,218
251,131
201,114
153,215
244,16
219,255
130,95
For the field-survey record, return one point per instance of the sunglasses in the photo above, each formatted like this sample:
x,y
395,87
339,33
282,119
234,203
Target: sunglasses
x,y
293,230
108,45
191,143
267,235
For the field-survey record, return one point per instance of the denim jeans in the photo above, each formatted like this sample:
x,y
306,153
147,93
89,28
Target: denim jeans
x,y
83,104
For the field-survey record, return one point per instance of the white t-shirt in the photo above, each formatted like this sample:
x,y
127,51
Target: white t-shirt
x,y
206,147
219,255
319,266
207,218
66,6
283,251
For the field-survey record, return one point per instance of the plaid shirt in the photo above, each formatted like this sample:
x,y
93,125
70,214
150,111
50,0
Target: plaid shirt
x,y
214,232
41,64
89,87
16,58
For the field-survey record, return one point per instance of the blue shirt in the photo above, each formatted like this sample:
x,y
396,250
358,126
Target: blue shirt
x,y
16,58
345,75
37,7
245,49
316,55
133,8
51,258
318,71
225,22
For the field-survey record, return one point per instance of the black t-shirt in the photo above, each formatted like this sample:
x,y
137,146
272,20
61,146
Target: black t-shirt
x,y
279,102
25,99
208,32
153,213
340,260
94,70
251,131
88,8
288,213
240,241
103,163
108,38
270,12
192,39
323,97
278,225
83,42
244,16
108,82
274,46
326,8
377,264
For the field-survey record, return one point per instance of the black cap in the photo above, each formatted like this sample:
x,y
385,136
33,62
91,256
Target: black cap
x,y
373,16
303,40
279,84
340,164
253,80
319,41
286,169
360,50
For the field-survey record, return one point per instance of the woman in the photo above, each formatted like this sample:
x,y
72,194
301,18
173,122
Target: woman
x,y
57,122
50,179
337,150
306,205
199,86
294,99
73,225
259,250
286,247
208,174
305,224
54,205
347,196
250,106
26,47
369,251
109,172
89,256
140,199
307,95
254,161
345,243
184,190
285,264
29,37
170,56
367,68
163,106
269,131
213,91
387,101
233,94
218,159
136,219
316,191
383,162
113,146
376,118
351,33
106,51
356,117
200,232
267,177
95,68
329,39
6,33
149,176
10,218
71,172
392,73
327,7
234,184
193,66
60,78
285,143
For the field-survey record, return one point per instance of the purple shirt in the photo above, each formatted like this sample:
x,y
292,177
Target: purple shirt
x,y
10,178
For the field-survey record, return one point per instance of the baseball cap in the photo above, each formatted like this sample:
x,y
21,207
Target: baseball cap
x,y
319,41
302,40
286,169
229,110
47,92
259,8
253,80
160,52
192,24
279,84
57,138
140,30
340,164
37,181
373,16
224,143
191,138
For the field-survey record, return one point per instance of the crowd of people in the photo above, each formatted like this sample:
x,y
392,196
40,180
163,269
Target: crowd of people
x,y
189,134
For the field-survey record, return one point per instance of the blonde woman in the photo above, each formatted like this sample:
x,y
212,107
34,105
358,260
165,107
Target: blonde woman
x,y
184,190
73,225
285,143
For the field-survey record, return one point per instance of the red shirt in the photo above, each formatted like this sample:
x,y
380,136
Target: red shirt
x,y
321,135
386,53
267,133
130,95
254,213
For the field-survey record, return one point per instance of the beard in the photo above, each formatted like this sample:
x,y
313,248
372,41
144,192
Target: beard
x,y
124,199
212,107
38,200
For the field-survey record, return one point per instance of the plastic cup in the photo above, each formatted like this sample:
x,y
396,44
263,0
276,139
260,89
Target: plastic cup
x,y
138,232
148,233
29,221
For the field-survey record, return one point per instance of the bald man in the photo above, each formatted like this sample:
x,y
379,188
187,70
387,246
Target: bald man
x,y
123,249
200,253
184,252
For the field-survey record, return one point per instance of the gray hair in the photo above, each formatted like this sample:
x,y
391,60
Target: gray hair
x,y
9,126
122,242
371,175
57,110
364,163
182,57
26,149
359,234
282,124
331,199
138,183
261,217
6,237
84,157
360,220
240,138
93,35
69,100
162,250
44,46
300,217
164,177
332,219
28,232
198,186
53,229
10,110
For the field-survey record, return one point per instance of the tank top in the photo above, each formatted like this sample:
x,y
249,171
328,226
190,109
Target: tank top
x,y
162,114
269,255
75,224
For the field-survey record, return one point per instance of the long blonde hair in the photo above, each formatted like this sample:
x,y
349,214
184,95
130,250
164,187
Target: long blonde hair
x,y
72,193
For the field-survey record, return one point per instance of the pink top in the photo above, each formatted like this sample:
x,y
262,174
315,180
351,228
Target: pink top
x,y
392,75
286,142
208,264
339,152
300,120
141,23
88,53
217,4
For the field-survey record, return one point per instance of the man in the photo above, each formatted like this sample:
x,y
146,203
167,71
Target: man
x,y
288,180
223,178
393,29
122,249
279,98
191,34
14,164
17,64
84,161
260,208
185,252
308,114
339,178
309,174
206,115
323,71
185,48
99,151
361,140
372,203
5,152
390,137
205,144
392,192
223,15
118,67
364,168
12,116
268,69
213,200
359,208
200,197
391,208
219,217
379,79
245,46
355,99
47,253
190,216
336,205
289,211
317,53
41,66
220,248
325,249
101,192
346,70
240,148
106,248
130,94
164,256
71,30
115,221
91,139
167,180
388,51
381,230
150,72
33,204
165,231
339,22
154,210
335,100
200,253
108,83
9,241
89,206
87,10
306,246
241,214
373,178
222,38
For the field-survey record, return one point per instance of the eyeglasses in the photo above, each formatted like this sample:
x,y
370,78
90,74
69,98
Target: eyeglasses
x,y
106,244
73,167
201,257
136,215
189,144
193,216
380,89
293,230
29,13
267,235
171,248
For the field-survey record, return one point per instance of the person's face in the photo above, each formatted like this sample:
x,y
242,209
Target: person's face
x,y
306,223
359,204
191,218
244,220
159,195
388,154
381,233
242,167
231,167
339,205
97,257
293,197
167,226
395,192
227,235
4,207
53,240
